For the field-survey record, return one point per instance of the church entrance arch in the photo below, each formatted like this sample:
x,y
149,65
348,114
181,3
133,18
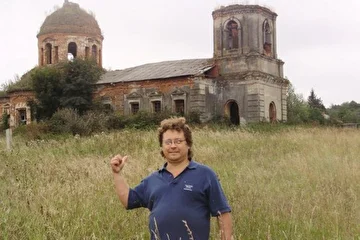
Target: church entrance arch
x,y
272,112
232,111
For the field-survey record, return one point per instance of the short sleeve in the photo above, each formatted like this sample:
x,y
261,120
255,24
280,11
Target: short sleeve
x,y
137,196
218,203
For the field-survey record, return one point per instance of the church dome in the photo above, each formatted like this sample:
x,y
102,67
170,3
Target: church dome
x,y
70,19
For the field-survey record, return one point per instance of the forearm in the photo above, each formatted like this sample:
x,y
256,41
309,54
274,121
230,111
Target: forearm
x,y
225,226
122,189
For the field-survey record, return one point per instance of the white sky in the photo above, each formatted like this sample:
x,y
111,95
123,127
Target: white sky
x,y
317,40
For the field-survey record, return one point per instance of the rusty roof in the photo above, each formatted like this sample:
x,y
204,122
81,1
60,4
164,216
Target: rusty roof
x,y
160,70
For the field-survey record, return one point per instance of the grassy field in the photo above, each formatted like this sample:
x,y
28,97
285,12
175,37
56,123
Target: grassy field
x,y
301,183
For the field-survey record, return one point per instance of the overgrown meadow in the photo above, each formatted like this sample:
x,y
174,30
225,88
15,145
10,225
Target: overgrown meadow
x,y
298,183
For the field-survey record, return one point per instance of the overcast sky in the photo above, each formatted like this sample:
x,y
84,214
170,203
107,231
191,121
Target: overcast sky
x,y
317,40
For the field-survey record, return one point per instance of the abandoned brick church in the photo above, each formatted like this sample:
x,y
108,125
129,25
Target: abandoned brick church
x,y
244,79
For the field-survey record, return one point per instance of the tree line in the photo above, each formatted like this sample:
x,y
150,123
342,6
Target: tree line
x,y
312,110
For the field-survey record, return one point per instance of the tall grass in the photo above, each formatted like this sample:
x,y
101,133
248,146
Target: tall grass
x,y
292,184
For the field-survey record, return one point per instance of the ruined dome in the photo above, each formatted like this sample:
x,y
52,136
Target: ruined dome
x,y
70,19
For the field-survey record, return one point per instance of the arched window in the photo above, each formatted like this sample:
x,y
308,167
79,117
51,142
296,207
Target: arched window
x,y
42,57
94,52
56,60
100,58
72,48
87,52
232,30
48,51
267,43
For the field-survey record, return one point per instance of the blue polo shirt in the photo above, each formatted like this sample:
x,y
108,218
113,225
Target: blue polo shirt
x,y
193,196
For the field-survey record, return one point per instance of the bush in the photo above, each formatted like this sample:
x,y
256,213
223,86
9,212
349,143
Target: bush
x,y
33,131
220,120
5,121
115,121
315,116
69,121
143,120
193,117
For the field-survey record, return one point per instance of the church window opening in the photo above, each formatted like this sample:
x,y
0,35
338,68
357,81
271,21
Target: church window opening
x,y
179,106
267,38
42,57
107,104
233,35
22,116
87,52
72,48
94,52
156,106
100,58
108,108
56,57
48,50
134,107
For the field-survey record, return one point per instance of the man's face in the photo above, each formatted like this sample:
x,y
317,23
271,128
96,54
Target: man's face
x,y
174,146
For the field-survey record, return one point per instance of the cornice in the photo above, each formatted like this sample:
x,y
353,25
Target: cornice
x,y
232,56
178,92
134,95
155,94
241,9
256,76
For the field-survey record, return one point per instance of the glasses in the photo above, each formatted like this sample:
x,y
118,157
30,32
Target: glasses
x,y
176,141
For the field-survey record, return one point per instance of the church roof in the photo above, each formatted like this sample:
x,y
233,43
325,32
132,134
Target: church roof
x,y
160,70
70,19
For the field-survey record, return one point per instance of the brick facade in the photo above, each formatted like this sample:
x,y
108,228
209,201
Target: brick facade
x,y
54,47
120,95
15,105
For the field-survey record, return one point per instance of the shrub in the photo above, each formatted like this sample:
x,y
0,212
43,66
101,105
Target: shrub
x,y
193,117
33,131
68,120
95,121
5,121
220,120
142,120
115,121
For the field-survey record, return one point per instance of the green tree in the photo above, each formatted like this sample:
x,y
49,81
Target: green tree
x,y
79,79
66,85
347,112
315,102
316,108
5,121
48,86
297,108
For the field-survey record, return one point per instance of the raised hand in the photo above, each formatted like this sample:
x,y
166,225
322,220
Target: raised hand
x,y
117,163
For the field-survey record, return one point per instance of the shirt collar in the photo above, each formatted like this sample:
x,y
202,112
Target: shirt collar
x,y
192,165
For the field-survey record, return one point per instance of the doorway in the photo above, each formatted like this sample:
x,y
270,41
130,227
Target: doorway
x,y
272,112
232,110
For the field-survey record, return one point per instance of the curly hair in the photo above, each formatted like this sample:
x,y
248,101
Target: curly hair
x,y
178,124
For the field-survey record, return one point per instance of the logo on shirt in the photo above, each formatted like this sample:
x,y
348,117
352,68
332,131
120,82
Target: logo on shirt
x,y
188,187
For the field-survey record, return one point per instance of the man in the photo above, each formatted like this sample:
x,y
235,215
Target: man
x,y
182,195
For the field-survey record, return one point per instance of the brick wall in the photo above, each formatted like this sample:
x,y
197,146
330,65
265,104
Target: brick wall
x,y
17,101
61,42
117,92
